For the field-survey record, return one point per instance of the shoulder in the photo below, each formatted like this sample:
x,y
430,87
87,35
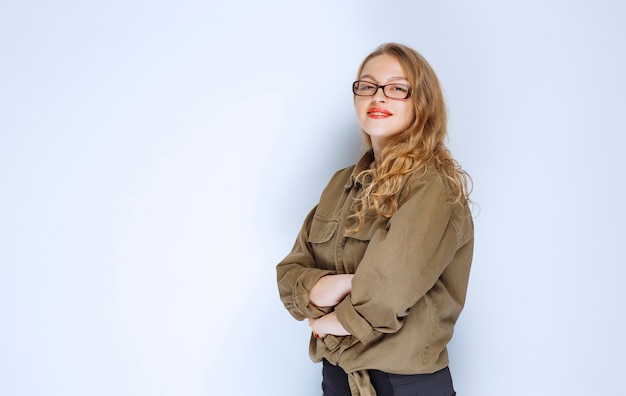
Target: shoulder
x,y
428,181
344,172
436,192
335,192
430,190
340,179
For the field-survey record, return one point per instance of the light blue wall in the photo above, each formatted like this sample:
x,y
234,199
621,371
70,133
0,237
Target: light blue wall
x,y
157,159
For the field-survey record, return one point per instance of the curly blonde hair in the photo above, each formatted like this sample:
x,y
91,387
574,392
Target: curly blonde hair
x,y
409,153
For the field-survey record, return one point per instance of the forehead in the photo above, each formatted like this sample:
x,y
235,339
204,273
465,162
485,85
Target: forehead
x,y
383,68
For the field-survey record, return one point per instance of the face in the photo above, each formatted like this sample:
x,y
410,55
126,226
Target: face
x,y
379,116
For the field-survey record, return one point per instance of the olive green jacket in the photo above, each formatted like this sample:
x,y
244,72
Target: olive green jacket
x,y
410,276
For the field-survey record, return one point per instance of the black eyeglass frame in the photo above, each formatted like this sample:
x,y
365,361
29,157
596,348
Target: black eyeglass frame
x,y
354,89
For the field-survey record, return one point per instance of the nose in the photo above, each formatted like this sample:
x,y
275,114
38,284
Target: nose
x,y
379,95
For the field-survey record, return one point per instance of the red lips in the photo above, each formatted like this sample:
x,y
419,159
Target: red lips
x,y
377,112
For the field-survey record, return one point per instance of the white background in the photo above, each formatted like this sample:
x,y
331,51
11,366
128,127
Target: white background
x,y
157,159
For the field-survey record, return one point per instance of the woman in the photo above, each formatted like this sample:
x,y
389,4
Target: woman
x,y
381,265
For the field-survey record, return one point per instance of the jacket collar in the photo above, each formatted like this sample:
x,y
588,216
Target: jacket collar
x,y
364,163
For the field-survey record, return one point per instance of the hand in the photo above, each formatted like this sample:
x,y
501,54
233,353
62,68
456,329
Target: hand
x,y
315,334
330,290
327,324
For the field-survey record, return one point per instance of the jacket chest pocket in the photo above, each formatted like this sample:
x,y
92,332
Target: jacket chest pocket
x,y
373,224
322,229
322,239
356,244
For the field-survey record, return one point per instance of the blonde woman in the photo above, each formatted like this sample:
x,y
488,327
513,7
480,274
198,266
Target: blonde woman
x,y
381,265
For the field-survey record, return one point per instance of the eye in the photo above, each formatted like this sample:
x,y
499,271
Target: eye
x,y
399,88
366,87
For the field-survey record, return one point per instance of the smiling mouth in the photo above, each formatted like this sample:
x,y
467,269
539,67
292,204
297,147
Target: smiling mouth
x,y
378,113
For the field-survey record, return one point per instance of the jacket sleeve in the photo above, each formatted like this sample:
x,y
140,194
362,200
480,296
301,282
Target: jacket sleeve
x,y
297,274
402,262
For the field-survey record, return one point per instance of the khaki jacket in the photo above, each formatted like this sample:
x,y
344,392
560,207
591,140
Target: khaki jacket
x,y
410,276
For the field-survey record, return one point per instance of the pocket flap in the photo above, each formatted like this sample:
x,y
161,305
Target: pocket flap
x,y
322,229
371,226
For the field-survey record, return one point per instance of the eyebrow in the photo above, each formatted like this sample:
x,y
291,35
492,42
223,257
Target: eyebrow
x,y
391,79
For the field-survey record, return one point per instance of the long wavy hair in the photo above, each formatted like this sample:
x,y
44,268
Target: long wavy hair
x,y
410,153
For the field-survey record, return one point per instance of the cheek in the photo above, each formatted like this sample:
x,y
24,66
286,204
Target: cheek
x,y
360,109
410,114
360,104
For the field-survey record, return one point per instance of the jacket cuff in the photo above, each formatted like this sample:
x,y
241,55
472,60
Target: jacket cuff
x,y
354,323
301,294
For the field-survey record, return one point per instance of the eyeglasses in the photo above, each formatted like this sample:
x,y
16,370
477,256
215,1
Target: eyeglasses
x,y
392,91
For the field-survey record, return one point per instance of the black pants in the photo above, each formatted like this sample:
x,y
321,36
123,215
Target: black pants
x,y
335,383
